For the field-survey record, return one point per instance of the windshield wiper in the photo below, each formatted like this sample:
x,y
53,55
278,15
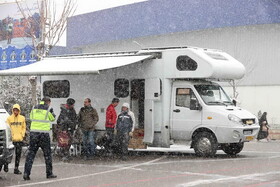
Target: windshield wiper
x,y
229,102
216,102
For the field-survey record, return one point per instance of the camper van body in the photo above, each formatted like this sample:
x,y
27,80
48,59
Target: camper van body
x,y
6,145
167,90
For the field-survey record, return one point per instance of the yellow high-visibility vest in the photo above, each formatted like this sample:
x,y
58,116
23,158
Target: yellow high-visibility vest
x,y
40,120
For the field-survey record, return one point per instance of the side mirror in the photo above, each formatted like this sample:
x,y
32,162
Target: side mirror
x,y
194,105
234,102
6,106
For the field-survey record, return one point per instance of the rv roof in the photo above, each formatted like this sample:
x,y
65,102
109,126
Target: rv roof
x,y
176,47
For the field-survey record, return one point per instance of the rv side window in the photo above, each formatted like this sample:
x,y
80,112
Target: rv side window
x,y
56,89
185,63
183,97
121,88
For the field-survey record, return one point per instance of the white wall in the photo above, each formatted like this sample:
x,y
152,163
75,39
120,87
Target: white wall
x,y
257,47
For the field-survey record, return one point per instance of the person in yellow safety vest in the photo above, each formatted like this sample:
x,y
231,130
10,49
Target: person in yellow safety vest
x,y
18,128
41,117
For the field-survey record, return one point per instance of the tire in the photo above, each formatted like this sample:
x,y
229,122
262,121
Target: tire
x,y
233,148
205,144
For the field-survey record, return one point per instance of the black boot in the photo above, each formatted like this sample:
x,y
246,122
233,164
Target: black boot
x,y
26,177
52,176
6,168
17,172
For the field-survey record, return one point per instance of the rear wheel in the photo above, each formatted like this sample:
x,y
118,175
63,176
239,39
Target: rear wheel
x,y
205,144
232,148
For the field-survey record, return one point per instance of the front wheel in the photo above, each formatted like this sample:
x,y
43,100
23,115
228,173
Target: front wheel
x,y
232,148
205,144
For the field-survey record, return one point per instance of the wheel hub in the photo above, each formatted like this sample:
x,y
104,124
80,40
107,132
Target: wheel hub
x,y
204,145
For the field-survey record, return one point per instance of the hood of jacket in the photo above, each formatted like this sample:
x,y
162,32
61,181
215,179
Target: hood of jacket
x,y
127,106
17,107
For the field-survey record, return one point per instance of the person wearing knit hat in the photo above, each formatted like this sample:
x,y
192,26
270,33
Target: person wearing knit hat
x,y
67,122
125,126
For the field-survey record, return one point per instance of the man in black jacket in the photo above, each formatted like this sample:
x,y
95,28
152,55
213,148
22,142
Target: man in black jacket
x,y
67,122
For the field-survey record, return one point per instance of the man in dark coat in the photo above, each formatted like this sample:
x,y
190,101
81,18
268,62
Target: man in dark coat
x,y
67,122
88,118
264,127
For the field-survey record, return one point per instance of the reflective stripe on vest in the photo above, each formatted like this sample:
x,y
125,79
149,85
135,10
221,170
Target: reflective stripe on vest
x,y
39,120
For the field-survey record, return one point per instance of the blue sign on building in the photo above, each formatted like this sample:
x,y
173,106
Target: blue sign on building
x,y
16,33
13,57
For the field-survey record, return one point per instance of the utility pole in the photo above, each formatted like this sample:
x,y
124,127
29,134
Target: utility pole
x,y
33,82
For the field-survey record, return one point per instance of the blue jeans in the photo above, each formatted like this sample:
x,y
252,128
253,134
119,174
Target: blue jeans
x,y
88,142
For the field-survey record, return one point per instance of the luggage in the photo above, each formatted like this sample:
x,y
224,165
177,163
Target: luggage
x,y
63,139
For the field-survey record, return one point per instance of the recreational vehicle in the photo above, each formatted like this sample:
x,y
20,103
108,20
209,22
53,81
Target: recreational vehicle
x,y
173,92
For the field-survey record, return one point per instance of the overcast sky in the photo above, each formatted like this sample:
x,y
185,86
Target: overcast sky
x,y
85,6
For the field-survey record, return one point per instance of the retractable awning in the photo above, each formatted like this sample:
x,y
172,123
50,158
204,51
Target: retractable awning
x,y
74,65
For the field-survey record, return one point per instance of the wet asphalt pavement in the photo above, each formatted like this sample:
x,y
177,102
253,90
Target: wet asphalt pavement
x,y
258,165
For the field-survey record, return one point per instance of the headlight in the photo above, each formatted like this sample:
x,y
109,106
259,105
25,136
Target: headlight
x,y
235,119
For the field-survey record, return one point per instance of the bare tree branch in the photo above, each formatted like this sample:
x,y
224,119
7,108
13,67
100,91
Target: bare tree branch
x,y
52,24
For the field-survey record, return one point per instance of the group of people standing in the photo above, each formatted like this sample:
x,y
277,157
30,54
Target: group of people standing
x,y
118,130
86,119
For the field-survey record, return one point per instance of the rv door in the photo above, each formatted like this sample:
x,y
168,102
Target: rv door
x,y
184,116
152,93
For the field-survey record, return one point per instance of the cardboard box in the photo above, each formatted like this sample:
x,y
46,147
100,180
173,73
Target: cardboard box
x,y
137,143
138,133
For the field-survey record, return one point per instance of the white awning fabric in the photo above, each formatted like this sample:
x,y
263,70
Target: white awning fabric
x,y
74,65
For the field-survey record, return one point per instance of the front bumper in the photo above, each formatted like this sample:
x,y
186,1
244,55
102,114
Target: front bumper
x,y
6,155
236,134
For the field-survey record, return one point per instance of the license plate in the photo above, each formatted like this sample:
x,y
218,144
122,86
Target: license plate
x,y
249,138
247,132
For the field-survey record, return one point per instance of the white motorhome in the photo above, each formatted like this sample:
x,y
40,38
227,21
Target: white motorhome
x,y
6,144
172,91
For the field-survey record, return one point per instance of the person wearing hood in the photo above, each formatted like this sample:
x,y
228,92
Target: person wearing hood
x,y
88,118
125,127
67,121
18,128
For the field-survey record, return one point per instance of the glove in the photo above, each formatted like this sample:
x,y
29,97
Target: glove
x,y
51,110
130,134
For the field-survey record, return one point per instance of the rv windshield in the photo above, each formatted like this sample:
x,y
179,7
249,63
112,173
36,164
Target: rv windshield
x,y
213,95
